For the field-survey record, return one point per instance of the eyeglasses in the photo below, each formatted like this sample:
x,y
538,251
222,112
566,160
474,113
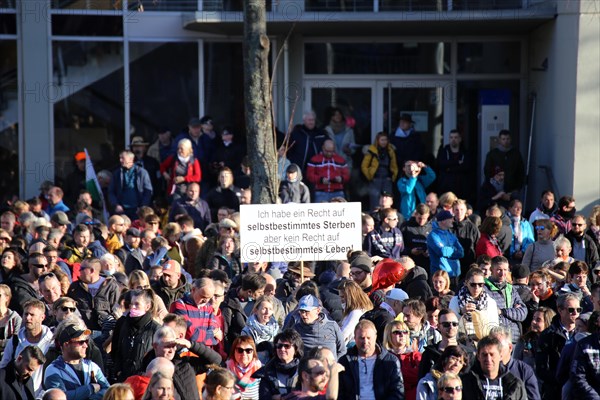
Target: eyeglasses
x,y
39,265
68,309
451,389
540,228
356,273
573,310
241,350
448,324
398,333
280,346
476,284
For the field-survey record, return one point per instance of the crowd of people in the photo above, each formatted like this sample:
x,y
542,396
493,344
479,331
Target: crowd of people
x,y
440,303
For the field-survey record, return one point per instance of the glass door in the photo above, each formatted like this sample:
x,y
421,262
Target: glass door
x,y
430,104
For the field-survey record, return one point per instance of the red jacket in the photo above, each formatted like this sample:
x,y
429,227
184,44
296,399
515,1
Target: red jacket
x,y
320,167
194,173
486,246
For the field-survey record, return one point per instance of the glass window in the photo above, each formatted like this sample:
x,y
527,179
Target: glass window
x,y
224,84
163,86
87,25
377,58
8,24
489,57
88,4
339,5
88,105
9,112
227,5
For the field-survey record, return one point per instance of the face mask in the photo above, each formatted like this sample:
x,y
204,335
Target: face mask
x,y
109,272
569,214
134,312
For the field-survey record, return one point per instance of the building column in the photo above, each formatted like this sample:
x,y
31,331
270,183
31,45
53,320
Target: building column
x,y
36,144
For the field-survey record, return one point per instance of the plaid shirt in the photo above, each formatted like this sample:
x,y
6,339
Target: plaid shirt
x,y
200,320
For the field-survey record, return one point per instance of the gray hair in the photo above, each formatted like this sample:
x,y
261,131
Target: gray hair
x,y
160,365
162,333
561,241
561,301
309,113
501,332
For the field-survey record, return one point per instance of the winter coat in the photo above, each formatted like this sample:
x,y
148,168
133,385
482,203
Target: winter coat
x,y
526,374
199,211
370,162
491,313
12,388
388,383
409,365
585,375
591,251
415,237
143,187
194,173
527,236
323,332
294,192
223,197
22,291
59,375
204,148
320,167
132,339
169,295
511,163
454,171
97,309
550,344
512,387
512,309
468,236
412,190
427,387
445,251
270,374
385,244
380,317
415,284
332,301
408,148
304,144
485,246
234,317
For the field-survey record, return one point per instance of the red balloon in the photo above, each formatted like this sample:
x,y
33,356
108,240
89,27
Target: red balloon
x,y
387,273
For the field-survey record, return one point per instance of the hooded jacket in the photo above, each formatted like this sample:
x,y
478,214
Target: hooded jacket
x,y
468,236
512,309
415,237
512,387
388,383
22,291
412,190
415,284
323,332
97,309
294,192
445,251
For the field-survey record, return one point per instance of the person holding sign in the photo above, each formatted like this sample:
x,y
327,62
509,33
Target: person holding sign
x,y
328,172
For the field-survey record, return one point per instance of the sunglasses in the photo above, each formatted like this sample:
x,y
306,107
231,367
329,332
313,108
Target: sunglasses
x,y
79,342
476,284
68,309
448,324
39,265
451,389
399,332
280,346
573,310
49,275
574,224
540,228
318,373
241,350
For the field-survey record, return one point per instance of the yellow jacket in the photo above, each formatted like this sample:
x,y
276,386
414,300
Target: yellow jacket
x,y
371,162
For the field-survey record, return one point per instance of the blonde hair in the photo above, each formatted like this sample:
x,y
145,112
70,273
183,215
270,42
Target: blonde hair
x,y
117,391
387,332
448,199
594,218
356,298
444,275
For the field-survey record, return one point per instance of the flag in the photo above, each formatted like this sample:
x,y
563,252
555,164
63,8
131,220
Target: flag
x,y
93,186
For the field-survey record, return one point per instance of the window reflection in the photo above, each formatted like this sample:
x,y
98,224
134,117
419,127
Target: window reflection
x,y
9,139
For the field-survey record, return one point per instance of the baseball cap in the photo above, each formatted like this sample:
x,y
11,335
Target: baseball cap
x,y
397,294
308,303
133,232
72,332
171,267
60,218
444,215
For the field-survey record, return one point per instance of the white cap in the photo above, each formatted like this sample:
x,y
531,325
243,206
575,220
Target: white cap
x,y
397,294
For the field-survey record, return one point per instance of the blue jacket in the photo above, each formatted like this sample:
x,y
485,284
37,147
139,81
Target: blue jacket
x,y
526,232
412,191
142,184
59,375
445,251
525,373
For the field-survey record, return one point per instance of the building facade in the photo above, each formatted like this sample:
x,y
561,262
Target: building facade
x,y
92,73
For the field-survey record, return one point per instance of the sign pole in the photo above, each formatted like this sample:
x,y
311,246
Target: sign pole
x,y
301,271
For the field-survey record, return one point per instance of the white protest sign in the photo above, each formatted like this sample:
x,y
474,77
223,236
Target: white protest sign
x,y
299,232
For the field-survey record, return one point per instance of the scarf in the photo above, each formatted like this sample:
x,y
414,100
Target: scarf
x,y
464,297
262,333
494,242
243,376
129,178
287,369
518,234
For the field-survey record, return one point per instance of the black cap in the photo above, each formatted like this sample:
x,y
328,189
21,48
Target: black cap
x,y
194,122
292,168
206,120
385,193
133,232
72,332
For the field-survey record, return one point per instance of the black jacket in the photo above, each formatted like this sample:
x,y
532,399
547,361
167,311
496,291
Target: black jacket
x,y
98,309
380,317
388,383
332,301
415,237
269,376
169,295
234,318
512,387
591,250
415,284
468,235
550,345
22,291
132,339
11,388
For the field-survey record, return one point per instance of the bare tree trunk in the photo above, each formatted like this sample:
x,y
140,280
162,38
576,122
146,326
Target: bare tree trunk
x,y
259,124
